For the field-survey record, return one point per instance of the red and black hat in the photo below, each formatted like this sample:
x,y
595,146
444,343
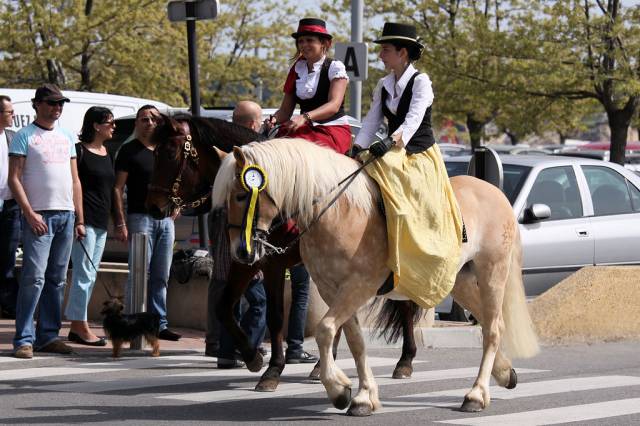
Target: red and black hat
x,y
403,33
312,26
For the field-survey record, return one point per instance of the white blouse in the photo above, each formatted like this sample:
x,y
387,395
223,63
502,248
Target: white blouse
x,y
421,99
307,82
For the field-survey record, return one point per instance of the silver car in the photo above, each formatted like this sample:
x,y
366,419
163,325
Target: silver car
x,y
573,212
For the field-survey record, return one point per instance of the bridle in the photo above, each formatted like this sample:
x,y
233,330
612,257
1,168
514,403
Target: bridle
x,y
189,153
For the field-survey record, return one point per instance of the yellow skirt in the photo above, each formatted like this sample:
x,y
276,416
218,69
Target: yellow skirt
x,y
424,224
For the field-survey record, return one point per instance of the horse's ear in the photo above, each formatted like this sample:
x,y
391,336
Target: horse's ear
x,y
239,155
221,154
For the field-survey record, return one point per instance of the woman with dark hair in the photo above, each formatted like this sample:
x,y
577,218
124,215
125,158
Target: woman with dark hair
x,y
423,220
318,84
95,169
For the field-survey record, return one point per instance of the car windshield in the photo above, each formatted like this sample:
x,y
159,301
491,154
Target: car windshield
x,y
514,176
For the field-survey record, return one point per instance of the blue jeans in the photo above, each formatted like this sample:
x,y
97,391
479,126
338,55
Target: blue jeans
x,y
298,310
44,271
83,276
9,239
161,235
253,321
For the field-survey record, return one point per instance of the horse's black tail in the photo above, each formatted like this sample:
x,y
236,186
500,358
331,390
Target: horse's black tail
x,y
392,315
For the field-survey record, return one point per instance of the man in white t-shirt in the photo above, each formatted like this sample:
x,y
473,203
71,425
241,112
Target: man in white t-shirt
x,y
9,217
44,181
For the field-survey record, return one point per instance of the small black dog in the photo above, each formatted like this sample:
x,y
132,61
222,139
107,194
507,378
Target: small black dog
x,y
122,328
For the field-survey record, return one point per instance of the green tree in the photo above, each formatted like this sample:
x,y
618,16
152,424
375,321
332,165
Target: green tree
x,y
121,46
248,45
583,50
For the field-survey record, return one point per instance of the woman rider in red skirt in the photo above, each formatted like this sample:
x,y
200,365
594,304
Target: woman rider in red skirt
x,y
317,84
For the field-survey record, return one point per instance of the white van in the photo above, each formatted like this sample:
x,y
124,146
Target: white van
x,y
74,111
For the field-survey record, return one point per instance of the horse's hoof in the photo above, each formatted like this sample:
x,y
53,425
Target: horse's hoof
x,y
267,385
402,372
315,373
513,380
471,406
359,410
256,363
343,400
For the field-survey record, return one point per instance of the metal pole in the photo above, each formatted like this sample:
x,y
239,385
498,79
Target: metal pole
x,y
357,13
137,291
192,47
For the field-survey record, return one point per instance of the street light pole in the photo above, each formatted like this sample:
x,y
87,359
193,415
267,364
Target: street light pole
x,y
192,47
355,98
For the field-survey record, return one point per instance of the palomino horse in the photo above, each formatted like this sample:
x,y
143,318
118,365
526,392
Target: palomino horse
x,y
185,167
345,251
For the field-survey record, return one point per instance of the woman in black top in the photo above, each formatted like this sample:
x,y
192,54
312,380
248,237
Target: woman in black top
x,y
97,177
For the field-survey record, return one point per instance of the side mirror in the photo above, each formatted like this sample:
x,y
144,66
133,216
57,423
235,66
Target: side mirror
x,y
536,213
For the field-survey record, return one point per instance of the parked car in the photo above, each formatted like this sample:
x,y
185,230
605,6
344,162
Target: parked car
x,y
186,228
520,149
572,212
74,111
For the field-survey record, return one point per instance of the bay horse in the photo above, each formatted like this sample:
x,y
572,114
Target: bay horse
x,y
185,165
345,251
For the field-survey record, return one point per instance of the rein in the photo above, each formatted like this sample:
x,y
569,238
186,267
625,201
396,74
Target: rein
x,y
189,152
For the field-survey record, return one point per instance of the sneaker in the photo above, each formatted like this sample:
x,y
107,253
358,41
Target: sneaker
x,y
24,352
57,347
167,334
303,357
226,363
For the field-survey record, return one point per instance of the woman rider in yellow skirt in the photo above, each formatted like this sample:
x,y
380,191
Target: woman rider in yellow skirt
x,y
423,220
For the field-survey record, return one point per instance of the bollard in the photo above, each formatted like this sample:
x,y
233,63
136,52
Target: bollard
x,y
137,294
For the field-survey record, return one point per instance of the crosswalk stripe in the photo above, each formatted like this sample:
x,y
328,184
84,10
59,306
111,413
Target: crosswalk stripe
x,y
38,373
9,359
288,389
551,416
454,397
210,376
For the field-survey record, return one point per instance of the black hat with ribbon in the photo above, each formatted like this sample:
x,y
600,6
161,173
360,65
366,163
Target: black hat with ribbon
x,y
402,33
312,26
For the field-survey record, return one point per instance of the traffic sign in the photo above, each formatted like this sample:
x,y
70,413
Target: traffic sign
x,y
192,10
355,59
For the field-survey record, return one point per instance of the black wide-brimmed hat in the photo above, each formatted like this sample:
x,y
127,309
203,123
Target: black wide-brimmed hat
x,y
404,33
312,26
49,92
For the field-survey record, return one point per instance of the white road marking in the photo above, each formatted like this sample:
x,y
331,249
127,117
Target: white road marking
x,y
291,389
106,384
552,416
42,372
8,359
454,397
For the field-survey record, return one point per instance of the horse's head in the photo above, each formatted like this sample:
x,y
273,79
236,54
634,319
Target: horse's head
x,y
177,180
250,210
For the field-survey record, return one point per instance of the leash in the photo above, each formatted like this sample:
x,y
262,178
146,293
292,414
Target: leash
x,y
86,253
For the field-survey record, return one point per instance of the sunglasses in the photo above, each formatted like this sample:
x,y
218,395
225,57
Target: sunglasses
x,y
54,103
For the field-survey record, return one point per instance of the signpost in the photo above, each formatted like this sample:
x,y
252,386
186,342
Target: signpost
x,y
192,11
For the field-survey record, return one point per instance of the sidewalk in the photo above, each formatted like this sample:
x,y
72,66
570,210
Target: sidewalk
x,y
442,335
192,340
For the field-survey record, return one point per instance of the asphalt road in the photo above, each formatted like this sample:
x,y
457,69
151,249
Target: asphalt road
x,y
585,384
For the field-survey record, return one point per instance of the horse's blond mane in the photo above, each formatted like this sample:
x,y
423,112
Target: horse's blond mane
x,y
299,172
